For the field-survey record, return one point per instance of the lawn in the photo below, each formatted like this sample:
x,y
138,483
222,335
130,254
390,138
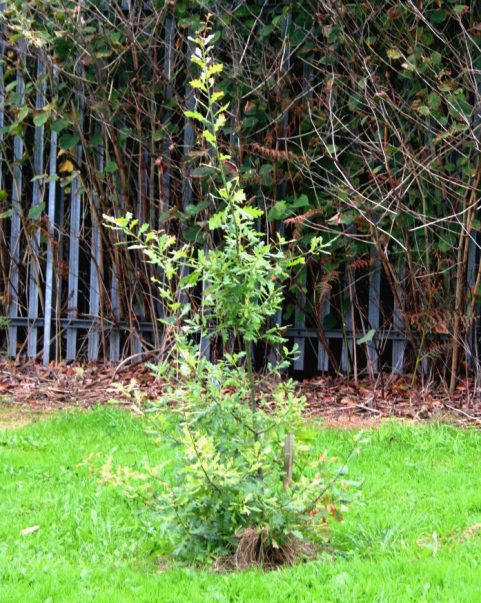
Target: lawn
x,y
412,537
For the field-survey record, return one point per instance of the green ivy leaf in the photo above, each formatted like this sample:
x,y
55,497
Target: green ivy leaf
x,y
367,337
301,201
202,171
68,141
278,211
111,167
60,124
36,211
437,16
461,9
40,119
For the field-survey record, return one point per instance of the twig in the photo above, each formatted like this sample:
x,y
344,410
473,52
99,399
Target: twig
x,y
462,412
368,408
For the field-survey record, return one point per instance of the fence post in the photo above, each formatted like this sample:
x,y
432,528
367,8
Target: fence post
x,y
37,197
74,247
322,355
2,93
284,67
471,343
95,271
374,310
399,342
16,223
51,238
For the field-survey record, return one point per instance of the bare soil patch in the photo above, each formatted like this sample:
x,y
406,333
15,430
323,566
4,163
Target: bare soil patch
x,y
14,418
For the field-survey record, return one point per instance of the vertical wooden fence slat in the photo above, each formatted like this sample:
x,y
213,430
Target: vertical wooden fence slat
x,y
204,347
187,190
95,272
168,92
322,355
51,239
189,134
470,281
141,215
59,276
165,178
284,67
300,316
114,337
374,309
74,252
300,323
16,223
2,93
37,198
74,231
473,259
399,343
347,340
2,98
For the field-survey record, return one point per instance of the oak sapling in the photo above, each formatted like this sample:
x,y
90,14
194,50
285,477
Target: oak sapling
x,y
231,495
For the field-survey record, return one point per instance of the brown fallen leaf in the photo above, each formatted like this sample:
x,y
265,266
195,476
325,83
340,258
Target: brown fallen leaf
x,y
471,530
30,530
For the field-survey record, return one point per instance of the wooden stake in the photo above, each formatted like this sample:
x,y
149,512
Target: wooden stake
x,y
288,459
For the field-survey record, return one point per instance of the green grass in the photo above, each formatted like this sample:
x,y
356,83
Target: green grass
x,y
402,542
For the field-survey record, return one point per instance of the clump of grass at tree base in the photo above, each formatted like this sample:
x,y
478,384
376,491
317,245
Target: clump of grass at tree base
x,y
230,497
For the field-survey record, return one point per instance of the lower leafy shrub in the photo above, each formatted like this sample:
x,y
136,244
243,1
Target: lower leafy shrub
x,y
238,492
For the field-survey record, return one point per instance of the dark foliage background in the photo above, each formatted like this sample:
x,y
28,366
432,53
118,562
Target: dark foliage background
x,y
357,119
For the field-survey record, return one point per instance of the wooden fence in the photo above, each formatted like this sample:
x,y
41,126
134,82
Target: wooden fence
x,y
58,274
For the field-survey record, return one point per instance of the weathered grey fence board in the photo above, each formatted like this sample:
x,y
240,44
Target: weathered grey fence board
x,y
16,222
285,62
2,93
166,174
147,327
95,271
300,322
187,145
471,352
347,341
141,215
398,345
114,337
51,237
189,137
37,199
74,256
300,316
322,355
374,310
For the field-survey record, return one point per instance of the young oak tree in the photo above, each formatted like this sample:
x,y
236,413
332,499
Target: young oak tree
x,y
235,491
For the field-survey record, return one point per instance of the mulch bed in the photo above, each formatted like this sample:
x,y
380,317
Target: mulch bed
x,y
396,397
29,384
